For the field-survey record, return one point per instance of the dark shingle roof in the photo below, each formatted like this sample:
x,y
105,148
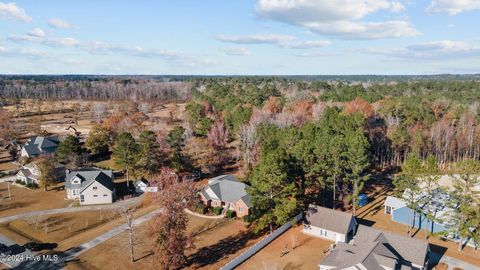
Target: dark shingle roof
x,y
373,249
88,176
38,145
330,219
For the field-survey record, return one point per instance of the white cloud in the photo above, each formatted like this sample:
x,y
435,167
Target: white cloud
x,y
283,41
340,18
174,57
11,10
61,42
435,50
236,51
256,39
309,44
453,7
37,32
39,37
59,24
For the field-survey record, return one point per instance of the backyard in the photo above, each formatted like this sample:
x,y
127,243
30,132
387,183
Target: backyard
x,y
291,250
25,200
215,242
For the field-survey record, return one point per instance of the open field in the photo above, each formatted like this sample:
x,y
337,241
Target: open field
x,y
306,255
56,228
26,200
215,243
373,215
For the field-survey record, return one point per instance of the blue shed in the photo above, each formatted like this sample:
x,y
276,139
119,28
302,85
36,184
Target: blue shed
x,y
362,200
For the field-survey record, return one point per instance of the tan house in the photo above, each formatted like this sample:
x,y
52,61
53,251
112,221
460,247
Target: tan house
x,y
90,186
227,192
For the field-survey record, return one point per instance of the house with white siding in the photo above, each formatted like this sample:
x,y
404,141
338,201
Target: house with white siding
x,y
329,224
90,186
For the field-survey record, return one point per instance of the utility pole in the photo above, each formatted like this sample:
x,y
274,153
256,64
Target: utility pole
x,y
8,185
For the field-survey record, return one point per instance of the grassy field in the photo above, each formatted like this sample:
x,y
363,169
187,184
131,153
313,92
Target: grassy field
x,y
215,243
57,228
26,200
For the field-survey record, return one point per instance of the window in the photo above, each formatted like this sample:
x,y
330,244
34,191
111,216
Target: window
x,y
81,198
240,209
95,195
104,195
94,188
388,209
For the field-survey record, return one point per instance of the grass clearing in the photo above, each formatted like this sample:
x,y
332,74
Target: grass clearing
x,y
27,200
215,243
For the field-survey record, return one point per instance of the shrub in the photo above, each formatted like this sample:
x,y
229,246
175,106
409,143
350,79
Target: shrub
x,y
18,181
32,185
230,214
247,219
217,210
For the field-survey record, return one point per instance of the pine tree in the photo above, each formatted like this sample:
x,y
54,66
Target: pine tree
x,y
273,191
69,150
150,153
125,152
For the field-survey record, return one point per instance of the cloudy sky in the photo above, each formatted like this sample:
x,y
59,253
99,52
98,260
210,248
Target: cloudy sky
x,y
240,37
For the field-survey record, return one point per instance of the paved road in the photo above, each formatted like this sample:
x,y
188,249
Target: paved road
x,y
71,210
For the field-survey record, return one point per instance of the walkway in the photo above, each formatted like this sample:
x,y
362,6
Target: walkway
x,y
71,210
203,216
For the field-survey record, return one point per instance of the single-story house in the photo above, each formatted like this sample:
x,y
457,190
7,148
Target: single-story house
x,y
227,192
141,185
90,186
436,207
373,249
39,145
330,224
30,173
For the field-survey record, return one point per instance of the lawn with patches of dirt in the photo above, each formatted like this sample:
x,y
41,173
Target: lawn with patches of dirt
x,y
216,242
27,200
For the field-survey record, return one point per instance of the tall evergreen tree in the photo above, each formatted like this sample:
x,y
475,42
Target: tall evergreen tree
x,y
125,153
150,153
273,191
69,150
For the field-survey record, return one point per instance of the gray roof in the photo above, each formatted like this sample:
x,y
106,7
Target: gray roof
x,y
374,248
40,145
330,219
88,176
228,189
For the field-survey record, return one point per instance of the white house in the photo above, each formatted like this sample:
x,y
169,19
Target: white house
x,y
141,185
30,173
330,224
90,186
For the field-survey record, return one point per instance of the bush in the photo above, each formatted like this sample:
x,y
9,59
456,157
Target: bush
x,y
200,208
230,214
18,181
32,185
247,219
217,210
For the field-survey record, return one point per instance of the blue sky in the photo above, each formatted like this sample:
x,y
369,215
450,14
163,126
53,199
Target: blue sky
x,y
240,37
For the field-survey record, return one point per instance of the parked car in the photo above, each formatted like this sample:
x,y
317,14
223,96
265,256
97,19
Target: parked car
x,y
43,246
30,245
5,250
